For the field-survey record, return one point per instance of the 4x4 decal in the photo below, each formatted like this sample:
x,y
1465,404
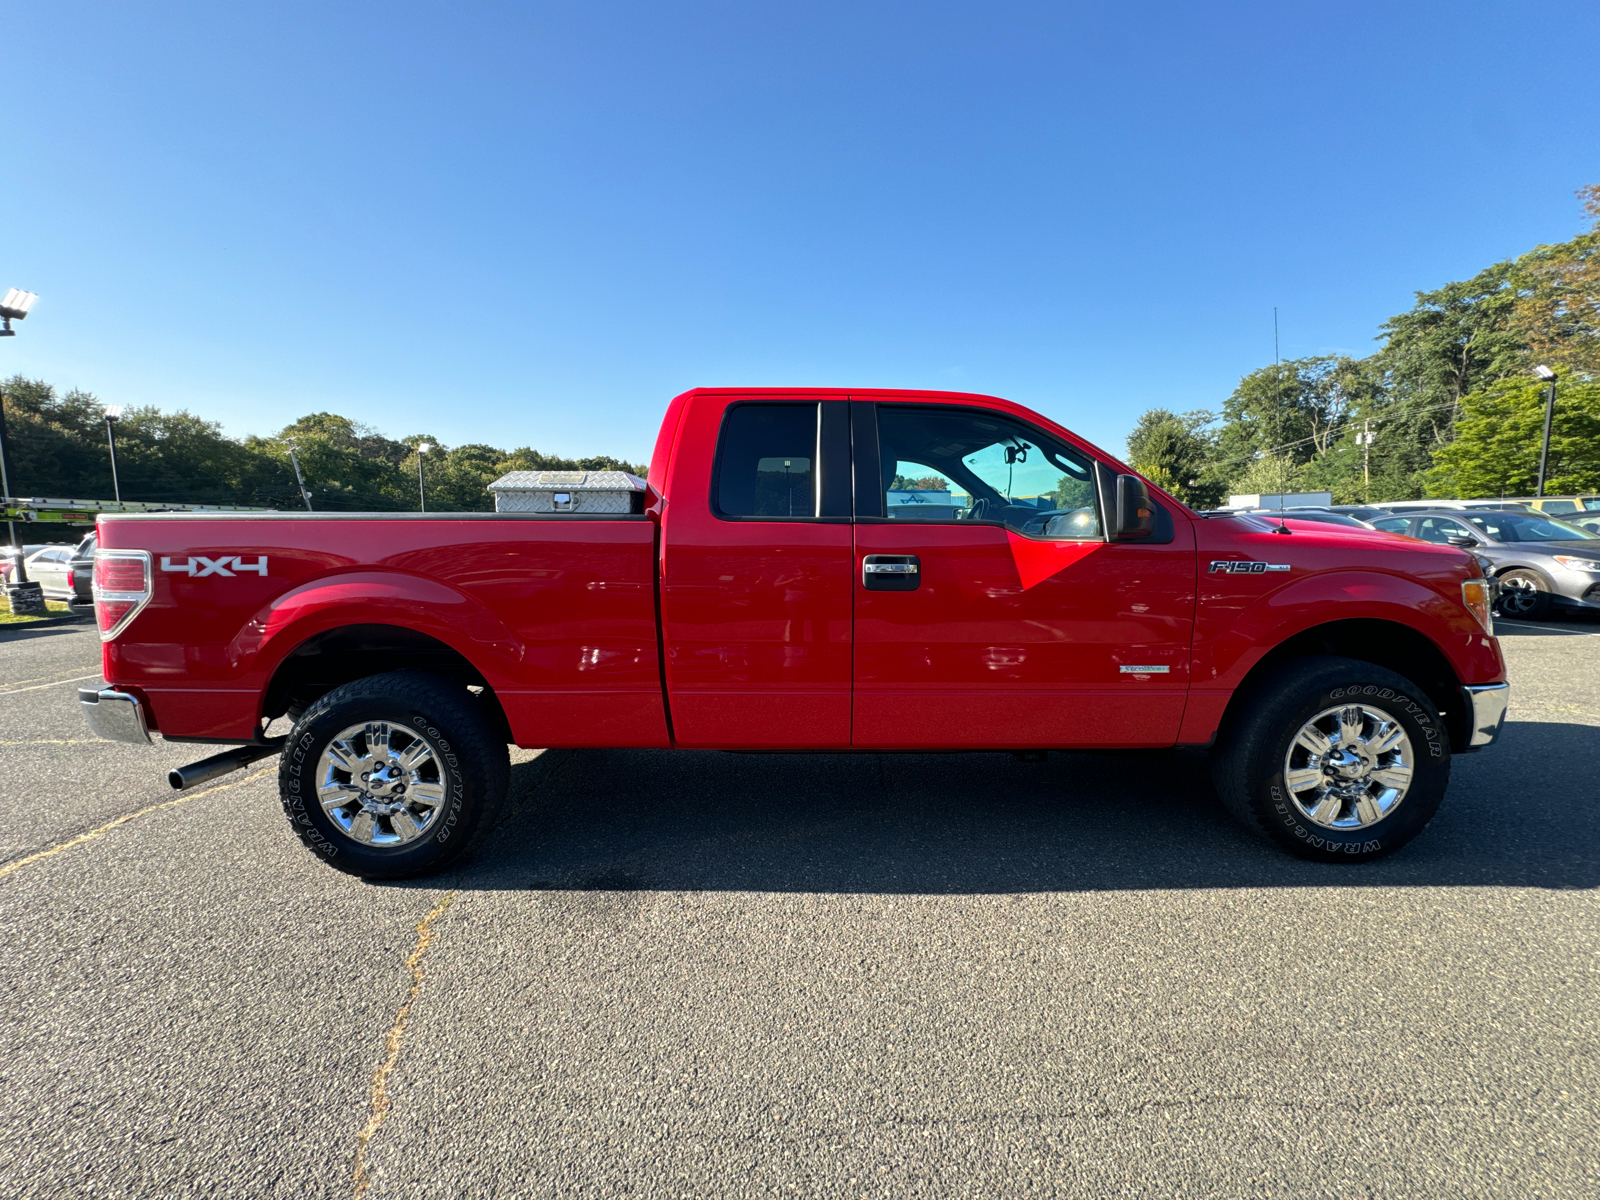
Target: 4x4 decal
x,y
227,564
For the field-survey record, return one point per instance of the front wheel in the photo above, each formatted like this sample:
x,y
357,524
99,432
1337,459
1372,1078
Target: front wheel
x,y
1334,759
1525,595
392,776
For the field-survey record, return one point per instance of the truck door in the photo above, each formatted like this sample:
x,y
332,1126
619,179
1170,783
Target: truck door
x,y
990,611
756,574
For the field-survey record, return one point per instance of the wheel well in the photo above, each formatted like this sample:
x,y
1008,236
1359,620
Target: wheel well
x,y
1388,644
339,656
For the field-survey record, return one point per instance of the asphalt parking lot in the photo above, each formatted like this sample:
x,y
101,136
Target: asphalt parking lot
x,y
711,975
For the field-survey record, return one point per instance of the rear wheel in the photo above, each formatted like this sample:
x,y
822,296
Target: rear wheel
x,y
1525,595
1334,759
392,776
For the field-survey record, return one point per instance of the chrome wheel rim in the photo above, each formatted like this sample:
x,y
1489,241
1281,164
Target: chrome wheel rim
x,y
1349,767
381,784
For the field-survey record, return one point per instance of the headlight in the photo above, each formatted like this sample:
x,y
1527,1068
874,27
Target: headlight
x,y
1578,564
1475,595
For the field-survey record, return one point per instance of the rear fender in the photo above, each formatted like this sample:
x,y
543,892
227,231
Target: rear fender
x,y
414,602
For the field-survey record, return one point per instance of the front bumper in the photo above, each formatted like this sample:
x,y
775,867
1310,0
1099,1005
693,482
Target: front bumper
x,y
1486,711
114,715
1583,595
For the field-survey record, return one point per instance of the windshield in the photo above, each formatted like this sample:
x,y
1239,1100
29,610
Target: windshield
x,y
1526,527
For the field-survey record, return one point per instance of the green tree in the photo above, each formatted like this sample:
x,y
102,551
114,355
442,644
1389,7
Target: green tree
x,y
1286,420
347,466
1558,311
1272,474
1452,341
1173,452
58,447
1496,448
57,442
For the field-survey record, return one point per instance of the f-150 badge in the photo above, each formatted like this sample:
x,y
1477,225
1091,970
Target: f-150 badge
x,y
228,564
1244,567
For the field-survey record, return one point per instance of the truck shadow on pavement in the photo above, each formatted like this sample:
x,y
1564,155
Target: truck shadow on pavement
x,y
618,820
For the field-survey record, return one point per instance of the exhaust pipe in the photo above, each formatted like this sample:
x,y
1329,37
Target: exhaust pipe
x,y
218,765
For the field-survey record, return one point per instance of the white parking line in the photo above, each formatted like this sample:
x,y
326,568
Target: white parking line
x,y
41,686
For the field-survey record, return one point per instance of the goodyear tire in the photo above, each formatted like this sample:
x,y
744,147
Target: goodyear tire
x,y
393,776
1333,759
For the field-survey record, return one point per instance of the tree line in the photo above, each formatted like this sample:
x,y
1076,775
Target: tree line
x,y
58,448
1448,406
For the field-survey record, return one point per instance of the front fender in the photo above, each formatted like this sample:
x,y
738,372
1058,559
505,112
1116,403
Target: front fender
x,y
377,597
1344,595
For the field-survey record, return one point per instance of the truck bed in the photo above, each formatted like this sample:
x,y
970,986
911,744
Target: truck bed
x,y
557,614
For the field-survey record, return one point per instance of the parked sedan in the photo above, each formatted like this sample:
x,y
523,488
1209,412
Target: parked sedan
x,y
1541,564
47,566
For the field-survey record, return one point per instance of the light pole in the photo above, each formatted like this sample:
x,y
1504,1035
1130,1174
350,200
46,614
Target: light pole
x,y
299,478
113,415
1549,376
26,598
422,495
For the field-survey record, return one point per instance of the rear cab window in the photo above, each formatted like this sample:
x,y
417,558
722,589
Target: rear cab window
x,y
767,461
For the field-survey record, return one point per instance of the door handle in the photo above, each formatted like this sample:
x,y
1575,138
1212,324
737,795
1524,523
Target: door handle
x,y
891,572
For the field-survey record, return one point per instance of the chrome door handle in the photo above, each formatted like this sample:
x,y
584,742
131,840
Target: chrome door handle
x,y
891,572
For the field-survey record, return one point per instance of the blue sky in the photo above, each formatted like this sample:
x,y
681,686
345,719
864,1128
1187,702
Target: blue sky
x,y
534,224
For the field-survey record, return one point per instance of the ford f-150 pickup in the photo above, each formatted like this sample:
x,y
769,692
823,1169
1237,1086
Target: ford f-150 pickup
x,y
813,570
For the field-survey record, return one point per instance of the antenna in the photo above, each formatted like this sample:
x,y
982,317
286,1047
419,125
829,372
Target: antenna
x,y
1277,403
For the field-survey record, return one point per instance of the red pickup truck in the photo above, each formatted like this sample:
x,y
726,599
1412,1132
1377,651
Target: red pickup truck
x,y
806,570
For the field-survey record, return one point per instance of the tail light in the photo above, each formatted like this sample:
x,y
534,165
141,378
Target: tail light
x,y
72,579
121,588
1475,595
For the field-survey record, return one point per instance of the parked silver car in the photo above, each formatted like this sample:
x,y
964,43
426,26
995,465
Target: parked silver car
x,y
1542,564
48,567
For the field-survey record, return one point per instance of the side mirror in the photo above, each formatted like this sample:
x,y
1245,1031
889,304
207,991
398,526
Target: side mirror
x,y
1125,500
1461,539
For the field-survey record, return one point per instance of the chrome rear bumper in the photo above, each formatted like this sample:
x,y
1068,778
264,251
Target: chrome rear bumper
x,y
1486,711
114,715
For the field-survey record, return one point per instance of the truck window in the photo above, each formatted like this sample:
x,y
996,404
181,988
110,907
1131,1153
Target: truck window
x,y
943,464
766,461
